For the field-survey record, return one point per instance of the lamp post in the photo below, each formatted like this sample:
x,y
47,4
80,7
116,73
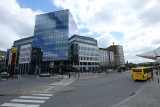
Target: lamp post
x,y
157,63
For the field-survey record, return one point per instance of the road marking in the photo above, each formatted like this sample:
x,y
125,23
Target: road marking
x,y
132,81
50,87
28,101
63,83
34,97
19,105
49,95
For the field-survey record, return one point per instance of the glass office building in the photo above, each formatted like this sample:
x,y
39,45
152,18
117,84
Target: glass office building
x,y
51,34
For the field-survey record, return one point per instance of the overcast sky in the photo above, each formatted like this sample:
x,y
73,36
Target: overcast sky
x,y
134,24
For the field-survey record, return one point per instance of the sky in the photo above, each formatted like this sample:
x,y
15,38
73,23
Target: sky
x,y
134,24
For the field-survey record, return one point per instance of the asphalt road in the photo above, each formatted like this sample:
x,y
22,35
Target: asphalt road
x,y
24,82
101,92
98,92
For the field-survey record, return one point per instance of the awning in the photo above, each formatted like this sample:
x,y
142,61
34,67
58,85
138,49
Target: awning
x,y
151,55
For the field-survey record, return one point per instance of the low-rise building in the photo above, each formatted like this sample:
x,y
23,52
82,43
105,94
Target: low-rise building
x,y
84,53
22,55
2,60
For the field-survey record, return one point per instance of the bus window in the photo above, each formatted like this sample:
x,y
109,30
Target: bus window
x,y
145,71
137,70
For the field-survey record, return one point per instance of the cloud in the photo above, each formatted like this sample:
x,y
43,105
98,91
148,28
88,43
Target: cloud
x,y
105,40
138,20
15,22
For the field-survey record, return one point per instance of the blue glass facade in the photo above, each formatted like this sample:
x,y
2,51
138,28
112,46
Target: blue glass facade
x,y
51,34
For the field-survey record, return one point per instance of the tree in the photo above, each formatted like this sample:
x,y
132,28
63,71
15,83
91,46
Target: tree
x,y
127,65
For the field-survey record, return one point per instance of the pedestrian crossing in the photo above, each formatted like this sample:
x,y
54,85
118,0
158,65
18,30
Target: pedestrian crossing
x,y
62,83
19,105
33,100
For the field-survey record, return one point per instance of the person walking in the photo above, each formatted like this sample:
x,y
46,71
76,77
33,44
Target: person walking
x,y
69,75
152,75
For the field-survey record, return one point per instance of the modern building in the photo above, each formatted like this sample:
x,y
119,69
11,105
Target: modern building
x,y
56,46
2,60
111,58
119,55
84,53
106,58
51,34
22,56
47,50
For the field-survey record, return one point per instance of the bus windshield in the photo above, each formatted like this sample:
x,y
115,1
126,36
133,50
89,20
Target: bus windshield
x,y
137,70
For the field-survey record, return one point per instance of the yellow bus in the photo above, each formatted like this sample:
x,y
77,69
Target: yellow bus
x,y
141,73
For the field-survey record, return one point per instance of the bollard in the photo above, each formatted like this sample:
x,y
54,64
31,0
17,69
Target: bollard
x,y
158,80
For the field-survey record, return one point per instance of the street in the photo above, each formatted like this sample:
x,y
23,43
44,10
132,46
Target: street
x,y
25,81
101,91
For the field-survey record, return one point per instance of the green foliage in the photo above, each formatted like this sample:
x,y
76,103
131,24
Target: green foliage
x,y
127,65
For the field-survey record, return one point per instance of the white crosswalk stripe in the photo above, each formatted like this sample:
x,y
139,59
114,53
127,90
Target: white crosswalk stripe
x,y
62,83
28,101
49,95
19,105
34,97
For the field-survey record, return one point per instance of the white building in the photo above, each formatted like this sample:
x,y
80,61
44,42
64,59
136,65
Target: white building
x,y
84,53
106,57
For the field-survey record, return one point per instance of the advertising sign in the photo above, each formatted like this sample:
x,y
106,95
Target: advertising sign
x,y
14,49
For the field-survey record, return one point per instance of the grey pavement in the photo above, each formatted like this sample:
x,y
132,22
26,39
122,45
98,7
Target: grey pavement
x,y
24,83
103,91
148,96
87,90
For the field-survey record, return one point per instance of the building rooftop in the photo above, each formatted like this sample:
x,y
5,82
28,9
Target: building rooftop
x,y
23,41
30,37
83,37
53,12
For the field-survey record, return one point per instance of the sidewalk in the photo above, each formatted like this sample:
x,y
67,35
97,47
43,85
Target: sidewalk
x,y
148,96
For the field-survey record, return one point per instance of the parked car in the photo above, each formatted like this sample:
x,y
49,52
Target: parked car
x,y
44,74
127,68
4,75
109,70
99,71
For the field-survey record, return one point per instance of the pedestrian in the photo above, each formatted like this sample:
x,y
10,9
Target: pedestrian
x,y
60,71
119,70
69,75
156,72
152,75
